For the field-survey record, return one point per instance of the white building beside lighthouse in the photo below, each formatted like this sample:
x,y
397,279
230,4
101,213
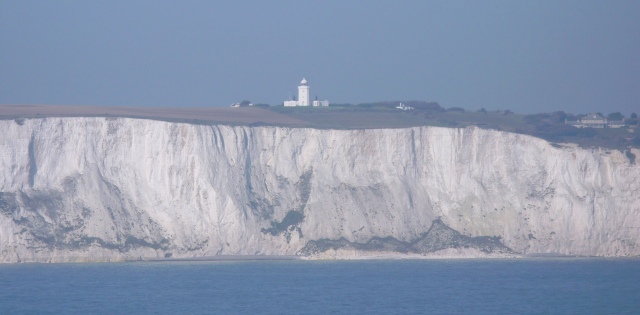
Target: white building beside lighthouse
x,y
304,97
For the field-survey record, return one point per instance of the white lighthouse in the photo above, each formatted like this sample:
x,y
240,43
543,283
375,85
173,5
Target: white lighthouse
x,y
304,99
303,93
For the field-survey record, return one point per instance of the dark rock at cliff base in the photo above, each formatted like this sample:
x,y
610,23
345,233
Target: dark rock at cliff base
x,y
438,237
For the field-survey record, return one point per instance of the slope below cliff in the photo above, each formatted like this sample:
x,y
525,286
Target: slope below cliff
x,y
105,189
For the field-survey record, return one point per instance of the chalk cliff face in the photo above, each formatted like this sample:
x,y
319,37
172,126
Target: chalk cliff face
x,y
107,189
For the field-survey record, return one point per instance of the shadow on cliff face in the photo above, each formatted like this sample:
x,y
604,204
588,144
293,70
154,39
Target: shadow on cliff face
x,y
438,237
291,221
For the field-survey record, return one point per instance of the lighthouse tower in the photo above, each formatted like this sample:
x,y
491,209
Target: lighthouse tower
x,y
304,97
303,93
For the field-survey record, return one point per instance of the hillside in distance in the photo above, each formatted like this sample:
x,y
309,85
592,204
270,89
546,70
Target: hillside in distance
x,y
548,126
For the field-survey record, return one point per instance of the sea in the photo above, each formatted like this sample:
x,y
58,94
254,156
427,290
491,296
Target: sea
x,y
457,286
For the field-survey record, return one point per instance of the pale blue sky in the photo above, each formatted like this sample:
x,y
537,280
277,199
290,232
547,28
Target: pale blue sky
x,y
527,56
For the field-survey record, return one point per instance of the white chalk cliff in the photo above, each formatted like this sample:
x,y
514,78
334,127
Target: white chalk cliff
x,y
108,189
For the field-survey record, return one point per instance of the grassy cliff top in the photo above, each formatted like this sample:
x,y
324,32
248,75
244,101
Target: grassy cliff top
x,y
548,126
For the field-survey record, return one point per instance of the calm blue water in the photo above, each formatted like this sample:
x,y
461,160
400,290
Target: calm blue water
x,y
533,286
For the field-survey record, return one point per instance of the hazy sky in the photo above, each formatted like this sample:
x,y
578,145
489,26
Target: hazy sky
x,y
527,56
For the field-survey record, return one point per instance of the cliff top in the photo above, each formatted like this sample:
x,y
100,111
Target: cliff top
x,y
550,127
207,115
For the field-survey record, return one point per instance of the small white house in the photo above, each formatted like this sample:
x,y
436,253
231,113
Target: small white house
x,y
320,103
595,121
616,123
242,104
403,107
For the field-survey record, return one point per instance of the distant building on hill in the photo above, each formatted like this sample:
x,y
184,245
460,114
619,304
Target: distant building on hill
x,y
304,98
616,123
320,103
404,107
242,104
595,121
